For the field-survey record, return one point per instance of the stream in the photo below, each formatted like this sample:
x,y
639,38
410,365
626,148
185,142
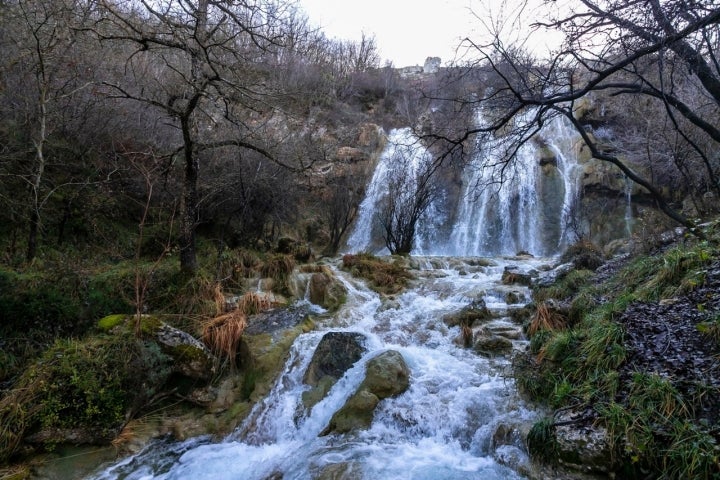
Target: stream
x,y
459,419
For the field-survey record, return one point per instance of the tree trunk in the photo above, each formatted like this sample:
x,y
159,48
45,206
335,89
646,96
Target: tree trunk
x,y
188,255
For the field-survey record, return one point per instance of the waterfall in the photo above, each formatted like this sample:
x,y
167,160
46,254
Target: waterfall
x,y
503,208
561,138
443,427
404,155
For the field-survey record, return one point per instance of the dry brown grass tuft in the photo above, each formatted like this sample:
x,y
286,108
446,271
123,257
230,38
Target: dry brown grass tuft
x,y
126,435
253,302
278,266
222,334
15,410
15,472
546,318
219,299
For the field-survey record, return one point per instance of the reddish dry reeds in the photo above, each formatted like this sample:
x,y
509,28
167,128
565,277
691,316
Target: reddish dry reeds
x,y
546,318
253,302
222,334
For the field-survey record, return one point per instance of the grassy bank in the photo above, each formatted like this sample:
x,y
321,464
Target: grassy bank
x,y
632,348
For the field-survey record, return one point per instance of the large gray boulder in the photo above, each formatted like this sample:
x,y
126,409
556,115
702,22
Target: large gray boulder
x,y
334,355
387,375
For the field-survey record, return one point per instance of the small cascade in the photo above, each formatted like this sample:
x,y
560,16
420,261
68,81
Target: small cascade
x,y
443,427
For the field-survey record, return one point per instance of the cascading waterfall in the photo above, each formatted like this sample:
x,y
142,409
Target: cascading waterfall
x,y
403,155
503,209
504,217
561,139
442,427
445,425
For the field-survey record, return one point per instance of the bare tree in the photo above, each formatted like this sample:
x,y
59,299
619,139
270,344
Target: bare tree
x,y
204,63
48,72
411,188
663,52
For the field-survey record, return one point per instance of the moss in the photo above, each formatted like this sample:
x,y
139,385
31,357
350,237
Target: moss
x,y
187,352
109,322
384,276
90,385
149,325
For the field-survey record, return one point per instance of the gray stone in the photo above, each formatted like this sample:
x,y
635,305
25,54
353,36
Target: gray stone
x,y
491,345
585,448
334,355
386,375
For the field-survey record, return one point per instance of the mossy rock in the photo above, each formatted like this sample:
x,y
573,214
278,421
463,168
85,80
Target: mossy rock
x,y
492,345
357,413
475,312
106,324
325,290
386,375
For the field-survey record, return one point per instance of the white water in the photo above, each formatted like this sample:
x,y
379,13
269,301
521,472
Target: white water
x,y
405,155
501,210
441,428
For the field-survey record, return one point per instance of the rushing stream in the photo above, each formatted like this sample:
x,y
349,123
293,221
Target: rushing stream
x,y
443,427
461,416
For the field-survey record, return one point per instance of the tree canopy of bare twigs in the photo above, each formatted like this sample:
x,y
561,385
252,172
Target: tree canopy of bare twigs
x,y
658,55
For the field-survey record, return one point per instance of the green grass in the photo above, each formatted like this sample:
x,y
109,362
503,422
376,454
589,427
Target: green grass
x,y
652,426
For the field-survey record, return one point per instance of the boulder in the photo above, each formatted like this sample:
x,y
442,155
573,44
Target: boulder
x,y
325,290
583,447
512,275
191,358
491,345
334,355
477,311
340,471
386,375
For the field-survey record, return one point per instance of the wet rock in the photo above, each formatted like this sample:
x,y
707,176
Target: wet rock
x,y
325,290
514,297
477,311
340,471
491,345
513,276
357,413
582,446
386,375
275,321
334,355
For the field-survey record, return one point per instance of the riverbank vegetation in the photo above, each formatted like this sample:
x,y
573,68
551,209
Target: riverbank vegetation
x,y
175,166
631,348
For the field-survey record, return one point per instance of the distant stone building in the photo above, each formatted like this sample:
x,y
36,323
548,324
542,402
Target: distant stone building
x,y
432,65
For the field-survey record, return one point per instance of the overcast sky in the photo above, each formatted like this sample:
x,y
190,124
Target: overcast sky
x,y
408,31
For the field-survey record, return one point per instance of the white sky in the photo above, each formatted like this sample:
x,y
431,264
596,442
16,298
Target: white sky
x,y
408,31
